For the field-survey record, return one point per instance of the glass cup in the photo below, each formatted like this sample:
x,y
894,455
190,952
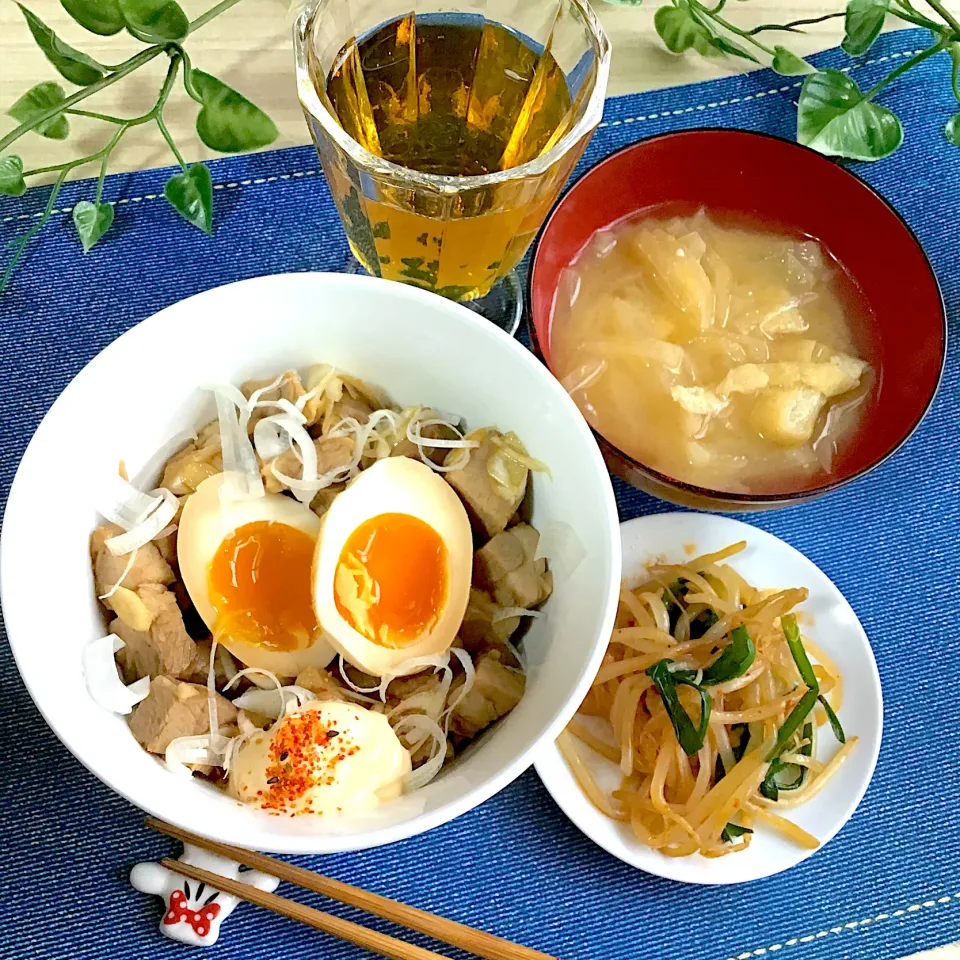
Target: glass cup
x,y
451,88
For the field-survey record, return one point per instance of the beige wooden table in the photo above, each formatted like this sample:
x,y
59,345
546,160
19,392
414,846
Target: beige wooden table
x,y
249,47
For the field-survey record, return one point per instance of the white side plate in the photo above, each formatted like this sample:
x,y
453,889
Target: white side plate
x,y
828,620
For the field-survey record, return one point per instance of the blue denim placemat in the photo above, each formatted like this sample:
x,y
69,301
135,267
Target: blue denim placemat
x,y
887,885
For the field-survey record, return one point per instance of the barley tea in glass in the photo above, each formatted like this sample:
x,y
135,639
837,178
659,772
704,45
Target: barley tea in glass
x,y
446,134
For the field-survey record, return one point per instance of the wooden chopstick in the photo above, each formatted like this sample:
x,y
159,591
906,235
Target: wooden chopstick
x,y
344,929
439,928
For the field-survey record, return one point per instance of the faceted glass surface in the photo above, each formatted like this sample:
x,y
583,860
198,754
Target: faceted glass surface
x,y
445,136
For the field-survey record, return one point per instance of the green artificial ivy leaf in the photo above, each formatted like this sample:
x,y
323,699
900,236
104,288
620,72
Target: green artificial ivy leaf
x,y
834,118
952,130
12,183
154,21
92,221
75,66
863,22
727,46
98,16
40,99
228,122
788,64
680,31
191,195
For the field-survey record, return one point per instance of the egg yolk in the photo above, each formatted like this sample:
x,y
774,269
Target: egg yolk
x,y
259,581
391,579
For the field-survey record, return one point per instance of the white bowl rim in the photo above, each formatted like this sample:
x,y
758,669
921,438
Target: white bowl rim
x,y
16,618
553,771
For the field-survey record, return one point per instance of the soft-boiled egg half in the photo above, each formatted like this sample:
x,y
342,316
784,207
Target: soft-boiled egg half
x,y
328,757
392,571
246,565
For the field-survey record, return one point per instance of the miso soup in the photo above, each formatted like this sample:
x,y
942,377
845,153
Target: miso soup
x,y
720,354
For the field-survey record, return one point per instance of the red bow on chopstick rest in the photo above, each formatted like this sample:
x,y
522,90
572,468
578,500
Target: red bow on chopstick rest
x,y
179,910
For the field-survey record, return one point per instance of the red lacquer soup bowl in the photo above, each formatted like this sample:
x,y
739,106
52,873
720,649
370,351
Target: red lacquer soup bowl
x,y
788,188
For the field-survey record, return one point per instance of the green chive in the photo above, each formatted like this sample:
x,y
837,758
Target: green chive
x,y
792,724
834,720
672,597
769,787
734,661
740,748
689,737
732,830
792,634
777,778
702,622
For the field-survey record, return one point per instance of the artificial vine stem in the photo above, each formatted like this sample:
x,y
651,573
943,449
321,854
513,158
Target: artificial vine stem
x,y
904,67
106,118
161,125
913,10
157,111
735,30
793,25
104,151
910,15
128,66
947,16
116,73
192,91
210,14
35,229
232,122
105,161
124,125
168,82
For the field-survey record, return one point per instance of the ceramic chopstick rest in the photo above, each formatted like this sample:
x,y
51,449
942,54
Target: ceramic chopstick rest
x,y
194,911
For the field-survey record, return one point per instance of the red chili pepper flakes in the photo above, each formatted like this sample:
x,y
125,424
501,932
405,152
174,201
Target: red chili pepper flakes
x,y
301,757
